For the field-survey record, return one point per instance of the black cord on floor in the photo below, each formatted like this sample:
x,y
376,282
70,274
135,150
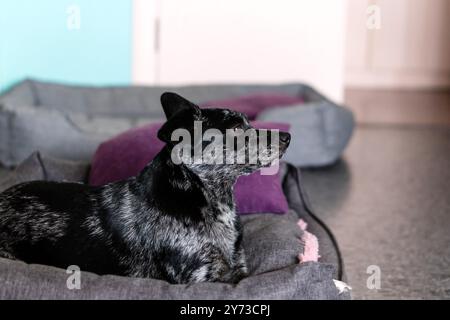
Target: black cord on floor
x,y
309,210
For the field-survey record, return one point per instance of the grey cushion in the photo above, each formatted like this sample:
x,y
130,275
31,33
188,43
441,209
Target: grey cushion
x,y
3,171
309,281
134,101
320,131
70,121
72,136
40,167
298,201
272,244
271,241
43,167
29,170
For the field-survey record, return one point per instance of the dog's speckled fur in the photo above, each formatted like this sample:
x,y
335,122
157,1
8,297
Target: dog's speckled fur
x,y
171,222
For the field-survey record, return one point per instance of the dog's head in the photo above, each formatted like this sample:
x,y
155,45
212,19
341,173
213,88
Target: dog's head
x,y
217,141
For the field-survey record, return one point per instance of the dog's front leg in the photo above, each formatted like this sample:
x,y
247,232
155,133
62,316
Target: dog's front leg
x,y
241,262
240,270
5,254
220,268
233,275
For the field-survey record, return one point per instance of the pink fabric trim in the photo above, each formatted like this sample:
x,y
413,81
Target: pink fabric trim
x,y
311,244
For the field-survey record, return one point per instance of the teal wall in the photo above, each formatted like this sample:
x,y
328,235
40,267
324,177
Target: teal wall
x,y
36,42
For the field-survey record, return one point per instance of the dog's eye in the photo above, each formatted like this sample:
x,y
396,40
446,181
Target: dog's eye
x,y
236,126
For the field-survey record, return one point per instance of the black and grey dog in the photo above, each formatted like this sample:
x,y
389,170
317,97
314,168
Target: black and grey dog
x,y
175,222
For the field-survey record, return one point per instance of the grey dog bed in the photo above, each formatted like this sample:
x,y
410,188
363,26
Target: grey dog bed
x,y
272,244
69,122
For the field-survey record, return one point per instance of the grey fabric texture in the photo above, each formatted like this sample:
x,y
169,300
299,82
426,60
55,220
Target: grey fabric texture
x,y
271,241
272,244
71,121
22,94
26,129
328,251
320,132
44,167
3,172
29,170
308,281
63,170
138,101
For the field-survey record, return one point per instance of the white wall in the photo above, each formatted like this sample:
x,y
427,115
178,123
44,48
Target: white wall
x,y
262,41
144,66
410,50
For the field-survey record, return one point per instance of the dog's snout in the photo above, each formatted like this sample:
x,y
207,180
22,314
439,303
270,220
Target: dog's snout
x,y
285,137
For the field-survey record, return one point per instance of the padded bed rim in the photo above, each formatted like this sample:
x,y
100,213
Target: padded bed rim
x,y
295,174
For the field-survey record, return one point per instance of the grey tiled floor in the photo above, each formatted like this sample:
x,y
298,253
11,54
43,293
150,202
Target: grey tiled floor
x,y
388,203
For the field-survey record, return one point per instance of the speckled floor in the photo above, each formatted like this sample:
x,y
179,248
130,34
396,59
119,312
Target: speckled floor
x,y
388,203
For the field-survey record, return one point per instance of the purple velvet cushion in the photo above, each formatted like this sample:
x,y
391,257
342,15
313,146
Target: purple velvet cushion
x,y
128,153
252,105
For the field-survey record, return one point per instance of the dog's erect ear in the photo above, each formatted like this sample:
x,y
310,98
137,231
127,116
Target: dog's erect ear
x,y
173,103
180,113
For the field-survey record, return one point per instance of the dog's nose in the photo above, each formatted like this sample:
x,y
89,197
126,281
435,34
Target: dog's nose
x,y
285,137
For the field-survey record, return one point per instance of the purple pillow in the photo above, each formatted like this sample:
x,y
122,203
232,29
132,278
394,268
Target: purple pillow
x,y
128,153
252,105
